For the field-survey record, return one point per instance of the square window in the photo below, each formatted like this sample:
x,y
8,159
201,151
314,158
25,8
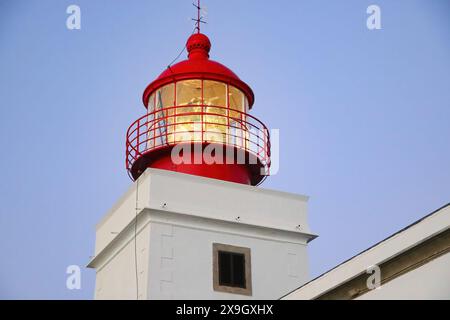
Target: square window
x,y
231,269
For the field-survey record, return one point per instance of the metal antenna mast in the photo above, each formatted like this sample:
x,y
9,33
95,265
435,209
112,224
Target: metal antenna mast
x,y
199,19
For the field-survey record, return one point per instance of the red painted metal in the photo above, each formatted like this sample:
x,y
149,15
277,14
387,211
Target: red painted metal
x,y
198,66
241,135
238,173
151,138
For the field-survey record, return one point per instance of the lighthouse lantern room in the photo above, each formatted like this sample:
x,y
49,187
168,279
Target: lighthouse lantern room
x,y
201,103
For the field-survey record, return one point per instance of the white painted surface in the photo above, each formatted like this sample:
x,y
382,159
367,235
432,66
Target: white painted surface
x,y
209,198
430,281
181,261
430,226
116,277
180,217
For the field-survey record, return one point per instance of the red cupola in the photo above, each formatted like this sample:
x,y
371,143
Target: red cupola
x,y
197,122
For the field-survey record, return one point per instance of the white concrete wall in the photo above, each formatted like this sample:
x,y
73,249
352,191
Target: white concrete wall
x,y
429,281
180,216
216,199
204,197
116,275
181,261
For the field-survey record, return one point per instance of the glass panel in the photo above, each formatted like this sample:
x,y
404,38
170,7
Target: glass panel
x,y
189,92
214,95
166,99
170,124
235,133
237,119
236,98
150,122
188,127
215,133
161,124
151,103
225,277
235,115
231,269
168,95
238,270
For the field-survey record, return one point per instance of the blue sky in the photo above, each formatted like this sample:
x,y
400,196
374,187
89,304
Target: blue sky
x,y
363,117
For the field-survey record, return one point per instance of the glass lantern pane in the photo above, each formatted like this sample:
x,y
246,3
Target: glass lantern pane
x,y
216,124
150,122
237,118
168,95
214,96
166,100
214,93
189,93
164,122
236,98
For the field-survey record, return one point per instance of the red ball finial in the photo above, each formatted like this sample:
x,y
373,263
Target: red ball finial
x,y
198,46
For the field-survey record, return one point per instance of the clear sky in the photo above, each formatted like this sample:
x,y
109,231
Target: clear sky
x,y
363,117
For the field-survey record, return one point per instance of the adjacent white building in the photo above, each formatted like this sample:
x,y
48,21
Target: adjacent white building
x,y
414,263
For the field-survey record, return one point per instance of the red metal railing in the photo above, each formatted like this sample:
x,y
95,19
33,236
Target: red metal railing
x,y
194,123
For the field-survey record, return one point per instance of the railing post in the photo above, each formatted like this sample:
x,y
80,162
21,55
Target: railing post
x,y
126,152
137,138
265,144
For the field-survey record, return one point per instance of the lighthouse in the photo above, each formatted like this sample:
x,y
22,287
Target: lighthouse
x,y
194,224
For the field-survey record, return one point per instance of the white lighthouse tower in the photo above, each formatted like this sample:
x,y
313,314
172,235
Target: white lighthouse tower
x,y
200,229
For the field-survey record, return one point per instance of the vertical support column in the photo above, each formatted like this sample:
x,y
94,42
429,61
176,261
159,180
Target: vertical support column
x,y
227,102
137,138
154,121
202,104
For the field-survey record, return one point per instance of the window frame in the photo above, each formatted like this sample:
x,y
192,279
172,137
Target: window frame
x,y
218,247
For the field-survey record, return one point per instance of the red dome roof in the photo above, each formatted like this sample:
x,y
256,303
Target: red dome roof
x,y
198,66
